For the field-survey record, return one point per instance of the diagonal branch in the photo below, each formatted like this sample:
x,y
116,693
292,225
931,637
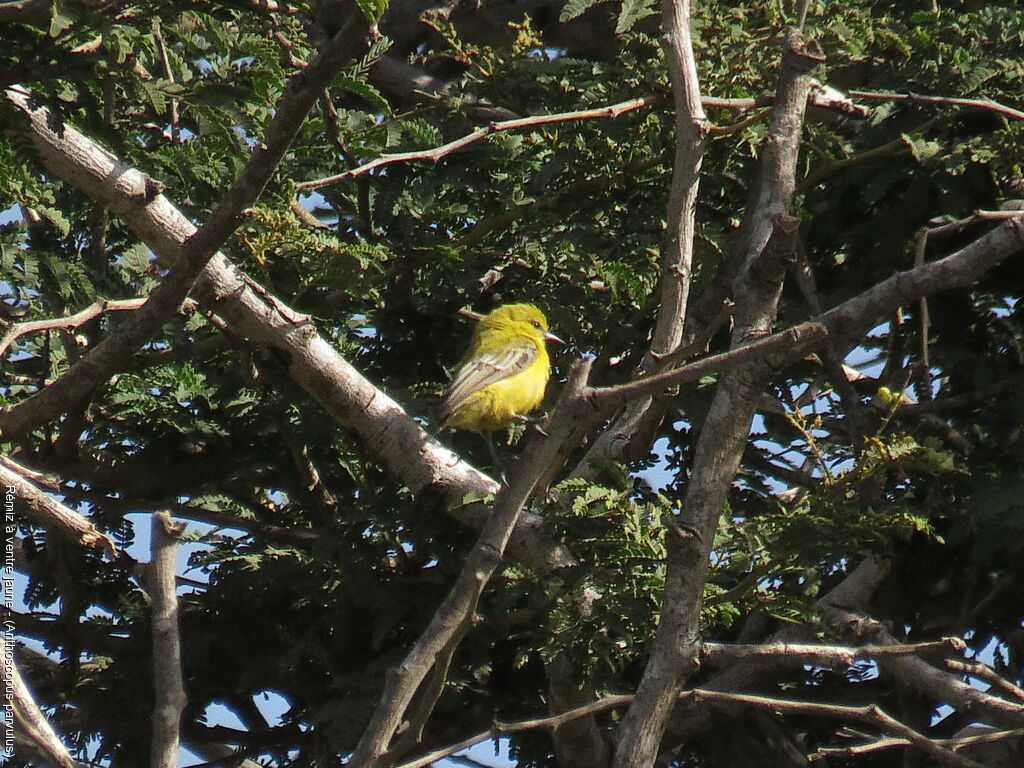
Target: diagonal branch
x,y
766,232
32,725
46,512
251,311
449,622
193,254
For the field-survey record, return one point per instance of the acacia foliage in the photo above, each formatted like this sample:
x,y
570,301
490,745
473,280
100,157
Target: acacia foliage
x,y
330,581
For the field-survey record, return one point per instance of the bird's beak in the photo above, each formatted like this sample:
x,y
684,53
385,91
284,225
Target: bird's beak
x,y
548,336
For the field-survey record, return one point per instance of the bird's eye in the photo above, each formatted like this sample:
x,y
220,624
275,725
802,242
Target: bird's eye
x,y
535,324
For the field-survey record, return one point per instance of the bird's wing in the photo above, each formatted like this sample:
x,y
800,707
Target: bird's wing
x,y
483,370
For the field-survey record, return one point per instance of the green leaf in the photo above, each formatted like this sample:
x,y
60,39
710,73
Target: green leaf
x,y
921,148
632,11
574,8
359,87
136,259
57,218
59,21
372,9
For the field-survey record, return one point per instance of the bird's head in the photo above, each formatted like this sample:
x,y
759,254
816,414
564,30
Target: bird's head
x,y
526,316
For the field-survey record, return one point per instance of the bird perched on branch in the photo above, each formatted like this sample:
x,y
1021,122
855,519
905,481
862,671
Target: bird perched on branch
x,y
504,373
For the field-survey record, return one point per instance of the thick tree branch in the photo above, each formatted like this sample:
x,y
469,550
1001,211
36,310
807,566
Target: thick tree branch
x,y
449,622
32,725
918,675
48,513
723,436
723,654
192,256
263,320
168,688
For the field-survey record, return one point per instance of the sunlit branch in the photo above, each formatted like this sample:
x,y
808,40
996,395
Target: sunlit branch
x,y
43,510
168,687
986,105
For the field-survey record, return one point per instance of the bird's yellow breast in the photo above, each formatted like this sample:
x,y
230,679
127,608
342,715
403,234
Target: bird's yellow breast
x,y
497,405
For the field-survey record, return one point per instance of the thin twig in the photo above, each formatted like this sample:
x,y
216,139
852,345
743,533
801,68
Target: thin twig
x,y
983,104
701,341
866,714
925,392
437,153
877,745
831,358
786,345
165,62
831,100
70,322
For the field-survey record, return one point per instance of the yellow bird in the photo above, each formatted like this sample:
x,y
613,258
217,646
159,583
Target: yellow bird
x,y
505,372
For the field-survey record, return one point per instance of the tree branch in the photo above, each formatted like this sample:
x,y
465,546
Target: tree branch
x,y
402,682
638,420
168,688
352,400
986,105
867,714
725,430
70,322
31,722
986,674
723,654
503,729
44,511
438,153
954,744
918,675
193,254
